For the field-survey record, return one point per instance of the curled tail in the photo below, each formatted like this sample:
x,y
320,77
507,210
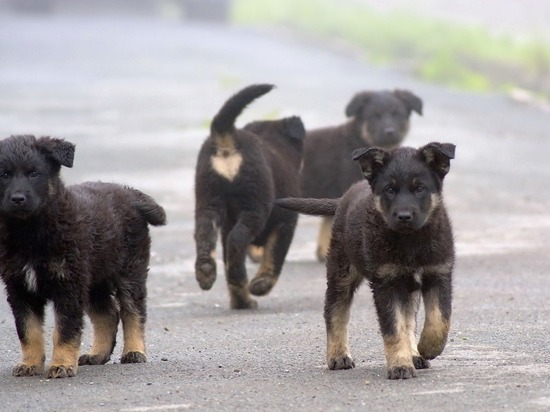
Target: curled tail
x,y
150,210
317,207
224,121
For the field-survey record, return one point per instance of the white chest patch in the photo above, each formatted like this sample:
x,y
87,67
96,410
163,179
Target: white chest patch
x,y
227,164
30,278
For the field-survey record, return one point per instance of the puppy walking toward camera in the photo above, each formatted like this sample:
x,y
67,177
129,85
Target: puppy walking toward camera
x,y
85,248
393,231
376,118
239,173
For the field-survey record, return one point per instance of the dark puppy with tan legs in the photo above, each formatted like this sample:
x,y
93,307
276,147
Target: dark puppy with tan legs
x,y
83,247
239,173
393,231
376,119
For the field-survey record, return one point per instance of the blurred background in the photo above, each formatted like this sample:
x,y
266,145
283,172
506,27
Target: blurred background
x,y
471,45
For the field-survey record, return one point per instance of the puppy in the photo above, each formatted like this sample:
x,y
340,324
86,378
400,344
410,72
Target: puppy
x,y
376,119
393,231
83,247
238,175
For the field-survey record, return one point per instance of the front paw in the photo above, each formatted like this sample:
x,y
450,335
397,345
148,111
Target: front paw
x,y
261,285
341,362
133,357
61,371
205,272
401,372
89,359
420,363
22,369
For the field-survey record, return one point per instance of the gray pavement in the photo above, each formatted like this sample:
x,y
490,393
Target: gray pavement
x,y
135,95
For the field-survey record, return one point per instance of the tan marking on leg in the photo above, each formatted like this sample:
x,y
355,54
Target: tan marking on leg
x,y
239,297
32,350
64,362
105,329
436,329
323,241
398,347
256,253
411,321
134,335
337,336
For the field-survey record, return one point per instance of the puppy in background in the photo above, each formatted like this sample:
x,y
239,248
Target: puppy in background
x,y
83,247
238,175
393,231
377,118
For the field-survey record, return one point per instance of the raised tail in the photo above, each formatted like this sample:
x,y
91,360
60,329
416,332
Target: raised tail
x,y
224,121
317,207
150,210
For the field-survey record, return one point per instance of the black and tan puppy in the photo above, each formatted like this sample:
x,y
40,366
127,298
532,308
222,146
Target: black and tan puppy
x,y
83,247
393,231
239,173
376,119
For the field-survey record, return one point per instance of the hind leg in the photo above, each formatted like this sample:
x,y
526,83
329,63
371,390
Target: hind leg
x,y
103,313
132,298
235,246
275,252
323,241
206,233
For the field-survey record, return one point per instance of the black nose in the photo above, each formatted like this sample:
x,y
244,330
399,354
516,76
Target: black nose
x,y
389,131
404,216
18,199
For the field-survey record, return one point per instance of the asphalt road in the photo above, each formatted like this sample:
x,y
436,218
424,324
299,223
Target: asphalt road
x,y
135,95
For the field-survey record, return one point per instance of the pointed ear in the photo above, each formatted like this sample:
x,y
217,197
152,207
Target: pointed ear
x,y
295,127
357,103
411,101
59,150
438,157
372,161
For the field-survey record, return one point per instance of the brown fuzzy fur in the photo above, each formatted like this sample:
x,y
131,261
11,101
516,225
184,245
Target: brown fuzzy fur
x,y
239,173
83,247
393,231
376,119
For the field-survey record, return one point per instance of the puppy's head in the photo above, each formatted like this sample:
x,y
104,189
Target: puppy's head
x,y
29,173
382,118
406,183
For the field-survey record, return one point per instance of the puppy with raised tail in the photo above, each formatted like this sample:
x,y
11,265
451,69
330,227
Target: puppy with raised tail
x,y
392,230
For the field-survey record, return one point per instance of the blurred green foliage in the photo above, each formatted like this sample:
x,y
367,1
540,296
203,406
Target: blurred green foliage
x,y
457,55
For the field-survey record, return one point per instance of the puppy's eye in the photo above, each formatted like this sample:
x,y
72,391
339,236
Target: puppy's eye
x,y
34,174
4,175
389,190
420,189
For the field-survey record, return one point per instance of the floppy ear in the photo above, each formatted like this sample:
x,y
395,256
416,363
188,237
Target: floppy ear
x,y
372,161
438,157
59,150
411,101
295,127
357,103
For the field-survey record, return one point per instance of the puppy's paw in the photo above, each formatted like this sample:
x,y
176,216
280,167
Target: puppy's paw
x,y
133,357
430,349
205,272
239,303
261,285
89,359
420,363
401,372
341,362
61,371
22,369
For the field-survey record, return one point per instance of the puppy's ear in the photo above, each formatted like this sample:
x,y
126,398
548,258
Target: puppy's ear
x,y
357,103
295,127
411,101
438,157
372,161
59,150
